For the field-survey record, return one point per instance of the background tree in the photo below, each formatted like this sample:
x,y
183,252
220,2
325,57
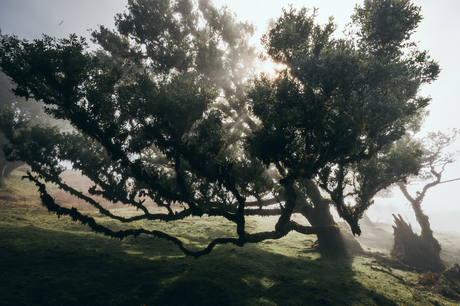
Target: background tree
x,y
423,251
33,111
6,99
160,112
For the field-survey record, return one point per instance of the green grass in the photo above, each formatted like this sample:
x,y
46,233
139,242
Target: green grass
x,y
49,261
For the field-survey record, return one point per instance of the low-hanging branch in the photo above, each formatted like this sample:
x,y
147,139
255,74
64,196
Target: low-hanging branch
x,y
50,204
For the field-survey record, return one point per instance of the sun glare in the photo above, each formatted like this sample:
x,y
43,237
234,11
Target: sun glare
x,y
270,68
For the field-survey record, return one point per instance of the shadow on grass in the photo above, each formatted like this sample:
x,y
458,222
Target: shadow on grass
x,y
48,267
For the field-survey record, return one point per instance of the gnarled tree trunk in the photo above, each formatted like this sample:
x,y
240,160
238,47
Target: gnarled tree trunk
x,y
414,250
332,241
419,251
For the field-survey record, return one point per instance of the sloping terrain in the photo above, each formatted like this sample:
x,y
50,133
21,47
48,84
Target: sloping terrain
x,y
49,261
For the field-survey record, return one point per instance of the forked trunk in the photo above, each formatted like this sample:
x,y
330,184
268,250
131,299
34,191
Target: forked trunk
x,y
332,241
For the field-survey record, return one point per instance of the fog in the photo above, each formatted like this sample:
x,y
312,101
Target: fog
x,y
437,33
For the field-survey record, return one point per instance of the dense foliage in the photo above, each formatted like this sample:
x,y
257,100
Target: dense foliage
x,y
340,103
163,111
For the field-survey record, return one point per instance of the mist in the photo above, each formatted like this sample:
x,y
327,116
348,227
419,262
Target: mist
x,y
139,168
30,19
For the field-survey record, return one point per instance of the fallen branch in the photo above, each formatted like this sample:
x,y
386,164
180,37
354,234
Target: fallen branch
x,y
383,260
389,273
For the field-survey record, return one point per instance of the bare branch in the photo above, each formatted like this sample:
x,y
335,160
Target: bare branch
x,y
448,181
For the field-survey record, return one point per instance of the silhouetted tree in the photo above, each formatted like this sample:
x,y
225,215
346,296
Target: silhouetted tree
x,y
424,251
338,107
161,112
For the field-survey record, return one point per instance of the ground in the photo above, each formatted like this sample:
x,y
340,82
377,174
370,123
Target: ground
x,y
49,261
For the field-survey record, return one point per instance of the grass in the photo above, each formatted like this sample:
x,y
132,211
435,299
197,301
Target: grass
x,y
49,261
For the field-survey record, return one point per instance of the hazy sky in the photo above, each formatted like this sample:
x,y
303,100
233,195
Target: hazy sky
x,y
438,33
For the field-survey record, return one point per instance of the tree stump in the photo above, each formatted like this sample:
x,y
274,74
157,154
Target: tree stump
x,y
414,250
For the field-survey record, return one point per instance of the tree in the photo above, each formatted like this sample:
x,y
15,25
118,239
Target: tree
x,y
423,251
5,99
339,105
161,112
33,111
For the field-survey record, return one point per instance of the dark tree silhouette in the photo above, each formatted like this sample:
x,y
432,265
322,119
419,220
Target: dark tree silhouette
x,y
337,108
164,111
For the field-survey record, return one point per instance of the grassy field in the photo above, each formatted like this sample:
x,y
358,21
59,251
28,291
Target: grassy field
x,y
49,261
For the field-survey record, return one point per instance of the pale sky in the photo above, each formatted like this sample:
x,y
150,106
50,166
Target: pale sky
x,y
438,33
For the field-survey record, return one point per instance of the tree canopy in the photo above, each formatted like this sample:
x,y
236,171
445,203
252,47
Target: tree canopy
x,y
339,102
169,109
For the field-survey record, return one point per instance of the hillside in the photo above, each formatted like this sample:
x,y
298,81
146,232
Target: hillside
x,y
51,261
